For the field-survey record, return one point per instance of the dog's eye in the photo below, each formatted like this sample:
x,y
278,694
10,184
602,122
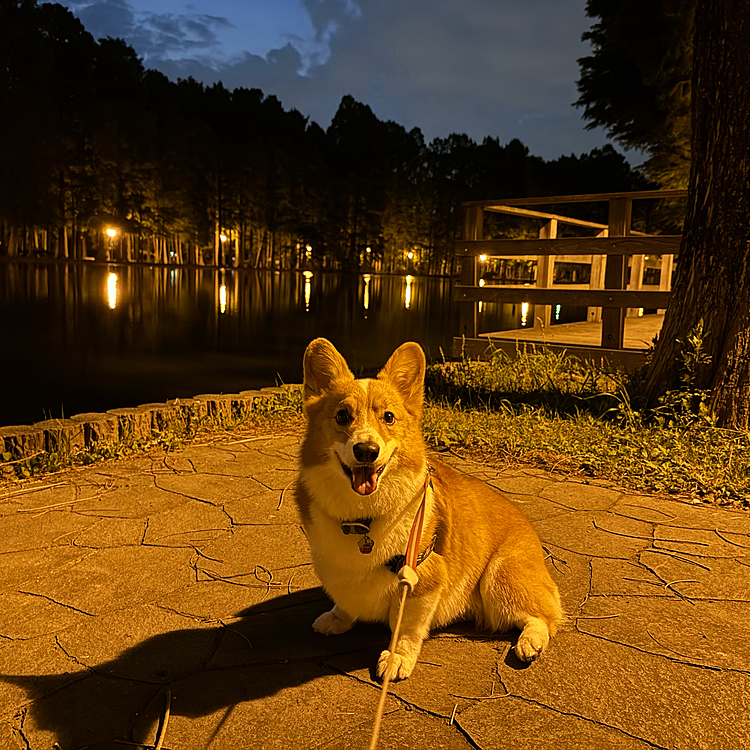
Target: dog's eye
x,y
342,416
388,417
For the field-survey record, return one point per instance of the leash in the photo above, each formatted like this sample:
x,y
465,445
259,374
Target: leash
x,y
407,580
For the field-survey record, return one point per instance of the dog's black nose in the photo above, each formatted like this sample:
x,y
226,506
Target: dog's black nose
x,y
366,453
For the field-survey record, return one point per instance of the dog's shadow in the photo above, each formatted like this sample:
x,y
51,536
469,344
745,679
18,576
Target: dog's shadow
x,y
270,647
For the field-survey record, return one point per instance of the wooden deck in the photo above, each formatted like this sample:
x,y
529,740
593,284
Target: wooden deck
x,y
639,333
579,339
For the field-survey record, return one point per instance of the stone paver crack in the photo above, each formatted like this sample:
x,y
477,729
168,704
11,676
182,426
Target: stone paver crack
x,y
60,604
72,658
729,541
588,720
621,533
184,494
19,729
667,657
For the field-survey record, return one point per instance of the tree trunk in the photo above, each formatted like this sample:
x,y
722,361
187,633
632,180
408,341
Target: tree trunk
x,y
712,280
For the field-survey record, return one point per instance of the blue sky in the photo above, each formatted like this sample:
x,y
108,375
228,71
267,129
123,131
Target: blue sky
x,y
504,68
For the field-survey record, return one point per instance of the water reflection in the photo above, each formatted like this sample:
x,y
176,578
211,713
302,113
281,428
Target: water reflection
x,y
176,332
524,314
112,290
308,289
366,296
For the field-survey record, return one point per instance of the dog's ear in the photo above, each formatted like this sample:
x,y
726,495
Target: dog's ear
x,y
405,370
323,366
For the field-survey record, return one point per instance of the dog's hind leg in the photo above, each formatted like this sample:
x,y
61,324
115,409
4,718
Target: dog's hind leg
x,y
534,638
519,593
333,622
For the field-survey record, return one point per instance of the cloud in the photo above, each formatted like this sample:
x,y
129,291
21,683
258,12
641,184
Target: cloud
x,y
503,68
154,36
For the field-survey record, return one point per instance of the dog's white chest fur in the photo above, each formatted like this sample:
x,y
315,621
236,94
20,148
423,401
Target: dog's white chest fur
x,y
359,582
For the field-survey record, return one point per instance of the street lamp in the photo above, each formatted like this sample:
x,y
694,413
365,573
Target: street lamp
x,y
111,234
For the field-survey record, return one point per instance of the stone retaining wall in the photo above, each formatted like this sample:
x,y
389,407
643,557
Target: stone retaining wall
x,y
84,431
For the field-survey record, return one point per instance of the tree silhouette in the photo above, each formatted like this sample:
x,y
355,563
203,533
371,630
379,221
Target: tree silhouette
x,y
94,141
636,82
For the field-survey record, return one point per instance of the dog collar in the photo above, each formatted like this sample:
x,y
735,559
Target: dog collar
x,y
398,561
361,526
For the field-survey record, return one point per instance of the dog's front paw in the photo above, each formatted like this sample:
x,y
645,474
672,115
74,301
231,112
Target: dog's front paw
x,y
330,623
398,669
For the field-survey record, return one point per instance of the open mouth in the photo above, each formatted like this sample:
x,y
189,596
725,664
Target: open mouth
x,y
364,477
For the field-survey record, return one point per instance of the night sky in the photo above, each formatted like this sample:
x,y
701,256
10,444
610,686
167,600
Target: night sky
x,y
504,68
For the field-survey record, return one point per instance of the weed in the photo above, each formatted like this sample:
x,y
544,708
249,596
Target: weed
x,y
554,411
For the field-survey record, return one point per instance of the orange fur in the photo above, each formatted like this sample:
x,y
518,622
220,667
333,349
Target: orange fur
x,y
487,565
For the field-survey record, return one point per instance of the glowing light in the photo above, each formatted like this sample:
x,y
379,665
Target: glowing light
x,y
483,257
223,237
480,306
223,298
366,299
308,289
111,232
112,291
410,255
481,282
640,312
368,249
524,313
407,294
557,312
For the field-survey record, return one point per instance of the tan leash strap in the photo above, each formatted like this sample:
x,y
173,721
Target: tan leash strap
x,y
386,679
407,579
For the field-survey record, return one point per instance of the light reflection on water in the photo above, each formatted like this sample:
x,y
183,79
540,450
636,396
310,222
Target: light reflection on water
x,y
112,290
177,332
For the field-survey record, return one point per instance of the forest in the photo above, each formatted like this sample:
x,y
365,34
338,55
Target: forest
x,y
101,158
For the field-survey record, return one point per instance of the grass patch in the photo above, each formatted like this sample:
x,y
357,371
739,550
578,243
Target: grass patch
x,y
540,408
554,411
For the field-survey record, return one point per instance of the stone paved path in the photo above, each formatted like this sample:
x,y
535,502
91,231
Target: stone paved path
x,y
188,572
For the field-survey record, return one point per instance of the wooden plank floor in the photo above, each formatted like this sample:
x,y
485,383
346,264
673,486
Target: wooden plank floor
x,y
639,333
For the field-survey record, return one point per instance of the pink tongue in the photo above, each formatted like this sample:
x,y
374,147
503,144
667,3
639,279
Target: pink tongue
x,y
364,479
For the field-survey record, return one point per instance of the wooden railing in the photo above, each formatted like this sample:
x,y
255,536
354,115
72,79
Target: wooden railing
x,y
609,251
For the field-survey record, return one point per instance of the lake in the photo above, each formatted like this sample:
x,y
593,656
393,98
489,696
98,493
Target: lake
x,y
91,337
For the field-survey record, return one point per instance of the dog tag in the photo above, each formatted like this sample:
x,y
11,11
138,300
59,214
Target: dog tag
x,y
365,545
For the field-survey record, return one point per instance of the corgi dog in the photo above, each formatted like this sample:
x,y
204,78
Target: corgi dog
x,y
363,476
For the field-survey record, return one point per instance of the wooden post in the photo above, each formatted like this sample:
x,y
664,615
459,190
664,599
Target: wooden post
x,y
598,263
665,277
613,318
467,311
637,265
545,274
